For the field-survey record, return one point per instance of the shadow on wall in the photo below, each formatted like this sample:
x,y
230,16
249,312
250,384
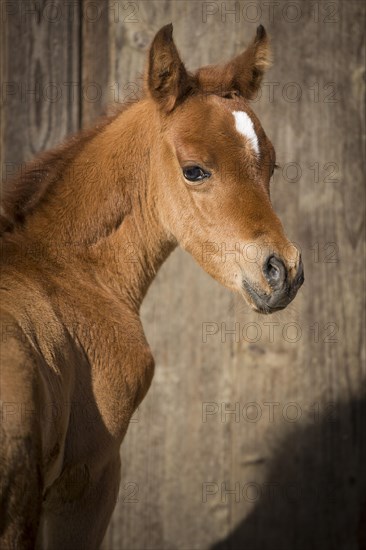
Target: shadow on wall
x,y
316,496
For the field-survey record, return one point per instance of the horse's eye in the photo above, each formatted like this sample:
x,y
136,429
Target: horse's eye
x,y
195,174
275,167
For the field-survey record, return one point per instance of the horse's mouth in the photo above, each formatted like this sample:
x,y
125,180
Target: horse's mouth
x,y
264,303
254,298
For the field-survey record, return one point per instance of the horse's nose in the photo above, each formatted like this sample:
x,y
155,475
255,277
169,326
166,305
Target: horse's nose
x,y
284,284
275,272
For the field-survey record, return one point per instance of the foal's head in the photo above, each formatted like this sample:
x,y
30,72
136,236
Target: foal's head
x,y
215,164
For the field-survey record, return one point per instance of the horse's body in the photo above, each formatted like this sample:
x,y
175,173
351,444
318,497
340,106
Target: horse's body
x,y
91,223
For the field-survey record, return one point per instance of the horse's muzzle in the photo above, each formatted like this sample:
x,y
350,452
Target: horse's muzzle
x,y
284,287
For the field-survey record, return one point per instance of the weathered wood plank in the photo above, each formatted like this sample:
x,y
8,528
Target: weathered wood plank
x,y
95,60
39,77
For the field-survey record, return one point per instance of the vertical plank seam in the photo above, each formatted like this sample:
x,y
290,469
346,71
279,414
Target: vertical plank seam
x,y
81,64
3,52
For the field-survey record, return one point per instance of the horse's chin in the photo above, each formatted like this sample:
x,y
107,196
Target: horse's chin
x,y
257,308
255,299
258,301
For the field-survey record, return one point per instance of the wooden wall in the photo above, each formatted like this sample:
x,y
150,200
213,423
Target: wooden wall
x,y
254,439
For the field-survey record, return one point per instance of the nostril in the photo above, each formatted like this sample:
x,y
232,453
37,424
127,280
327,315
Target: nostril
x,y
274,271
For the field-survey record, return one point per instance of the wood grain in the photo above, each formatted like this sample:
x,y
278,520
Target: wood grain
x,y
95,60
39,78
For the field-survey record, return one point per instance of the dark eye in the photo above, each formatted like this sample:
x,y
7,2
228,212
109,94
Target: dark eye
x,y
195,174
275,167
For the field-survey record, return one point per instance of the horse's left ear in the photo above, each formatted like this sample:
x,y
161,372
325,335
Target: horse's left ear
x,y
167,78
243,74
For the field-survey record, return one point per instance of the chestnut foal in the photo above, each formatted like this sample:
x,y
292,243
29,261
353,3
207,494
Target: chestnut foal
x,y
85,229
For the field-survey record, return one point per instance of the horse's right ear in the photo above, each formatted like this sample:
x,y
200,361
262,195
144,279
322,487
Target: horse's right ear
x,y
243,74
167,78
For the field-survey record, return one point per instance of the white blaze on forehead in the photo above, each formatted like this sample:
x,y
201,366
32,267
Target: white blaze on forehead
x,y
245,127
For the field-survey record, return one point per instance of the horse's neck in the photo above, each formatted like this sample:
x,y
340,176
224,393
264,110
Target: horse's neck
x,y
103,207
129,259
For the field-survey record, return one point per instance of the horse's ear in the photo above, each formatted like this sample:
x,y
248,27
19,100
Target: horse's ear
x,y
243,73
167,78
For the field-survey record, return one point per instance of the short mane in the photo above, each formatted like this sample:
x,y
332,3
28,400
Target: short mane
x,y
22,192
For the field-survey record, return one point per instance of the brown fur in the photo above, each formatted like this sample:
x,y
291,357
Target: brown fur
x,y
92,222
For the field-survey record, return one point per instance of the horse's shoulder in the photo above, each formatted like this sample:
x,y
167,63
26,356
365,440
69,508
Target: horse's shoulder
x,y
19,364
10,327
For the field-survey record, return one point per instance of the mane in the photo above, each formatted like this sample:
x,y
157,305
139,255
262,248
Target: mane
x,y
22,192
